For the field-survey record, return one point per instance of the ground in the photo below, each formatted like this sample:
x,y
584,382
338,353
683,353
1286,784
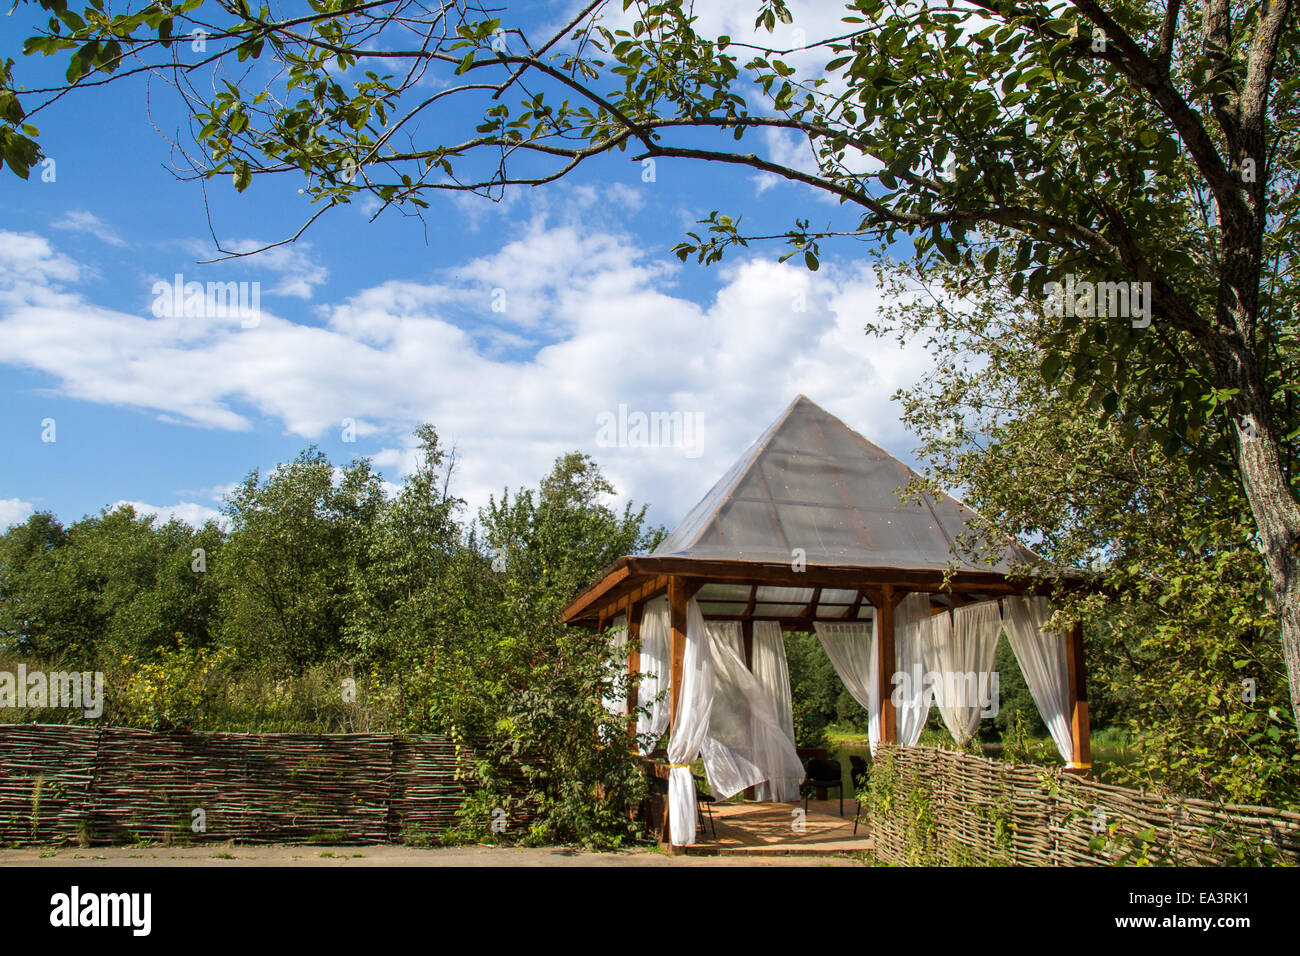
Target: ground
x,y
238,856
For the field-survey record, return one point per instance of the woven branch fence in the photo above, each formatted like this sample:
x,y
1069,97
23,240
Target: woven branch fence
x,y
933,806
105,785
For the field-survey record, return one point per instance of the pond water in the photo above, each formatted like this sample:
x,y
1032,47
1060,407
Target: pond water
x,y
1105,760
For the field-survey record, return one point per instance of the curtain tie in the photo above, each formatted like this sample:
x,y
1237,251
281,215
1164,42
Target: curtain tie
x,y
679,766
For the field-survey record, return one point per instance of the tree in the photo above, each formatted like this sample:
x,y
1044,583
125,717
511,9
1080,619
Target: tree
x,y
1135,143
296,542
1182,650
530,685
554,540
401,583
109,585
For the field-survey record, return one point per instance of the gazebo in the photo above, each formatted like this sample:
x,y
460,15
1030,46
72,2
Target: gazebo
x,y
814,529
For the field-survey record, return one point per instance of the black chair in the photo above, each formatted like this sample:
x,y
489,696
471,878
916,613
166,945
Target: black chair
x,y
823,773
704,804
858,773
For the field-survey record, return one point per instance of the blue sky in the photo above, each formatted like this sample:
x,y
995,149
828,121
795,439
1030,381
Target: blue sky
x,y
391,323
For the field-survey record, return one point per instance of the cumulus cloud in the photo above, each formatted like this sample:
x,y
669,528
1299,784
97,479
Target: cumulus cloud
x,y
194,515
14,511
591,321
81,220
296,271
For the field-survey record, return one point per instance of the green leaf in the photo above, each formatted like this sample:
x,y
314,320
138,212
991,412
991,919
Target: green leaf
x,y
243,175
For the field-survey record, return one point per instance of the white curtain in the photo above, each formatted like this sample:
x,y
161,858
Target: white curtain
x,y
959,649
727,633
771,670
694,703
1043,660
725,717
745,744
852,651
652,694
615,700
911,695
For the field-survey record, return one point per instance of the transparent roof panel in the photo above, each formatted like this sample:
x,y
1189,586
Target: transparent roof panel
x,y
769,593
724,592
721,607
811,483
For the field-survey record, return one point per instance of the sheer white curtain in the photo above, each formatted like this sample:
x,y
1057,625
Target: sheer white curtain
x,y
959,650
770,668
1043,660
724,717
728,634
911,696
615,700
852,650
745,744
652,694
694,703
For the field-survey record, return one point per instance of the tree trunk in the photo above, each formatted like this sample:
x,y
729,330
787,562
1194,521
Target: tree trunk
x,y
1272,502
1277,517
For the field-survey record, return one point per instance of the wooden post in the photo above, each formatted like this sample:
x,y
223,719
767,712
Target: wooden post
x,y
747,641
1077,676
677,598
678,595
884,600
633,659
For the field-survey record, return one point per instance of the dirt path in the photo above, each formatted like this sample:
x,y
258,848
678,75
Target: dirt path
x,y
239,856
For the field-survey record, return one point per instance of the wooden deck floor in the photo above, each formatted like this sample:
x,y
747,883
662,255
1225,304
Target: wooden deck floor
x,y
768,828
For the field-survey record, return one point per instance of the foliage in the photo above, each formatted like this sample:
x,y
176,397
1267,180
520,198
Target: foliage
x,y
1030,143
330,606
299,541
111,584
172,691
1185,615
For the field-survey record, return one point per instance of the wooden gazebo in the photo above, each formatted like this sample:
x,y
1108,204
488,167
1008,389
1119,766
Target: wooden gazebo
x,y
812,524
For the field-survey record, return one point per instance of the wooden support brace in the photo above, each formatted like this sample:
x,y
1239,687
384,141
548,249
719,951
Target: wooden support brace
x,y
1080,732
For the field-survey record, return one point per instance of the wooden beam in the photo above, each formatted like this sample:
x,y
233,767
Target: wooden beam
x,y
630,573
619,599
810,609
852,613
1080,732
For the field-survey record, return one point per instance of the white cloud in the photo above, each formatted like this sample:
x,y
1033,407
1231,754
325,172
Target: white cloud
x,y
14,511
298,271
81,220
212,493
194,515
603,327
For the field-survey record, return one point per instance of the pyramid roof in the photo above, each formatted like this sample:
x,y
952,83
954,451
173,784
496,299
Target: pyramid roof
x,y
812,487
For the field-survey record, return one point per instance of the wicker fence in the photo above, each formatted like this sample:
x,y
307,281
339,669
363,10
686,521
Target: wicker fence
x,y
61,784
933,806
